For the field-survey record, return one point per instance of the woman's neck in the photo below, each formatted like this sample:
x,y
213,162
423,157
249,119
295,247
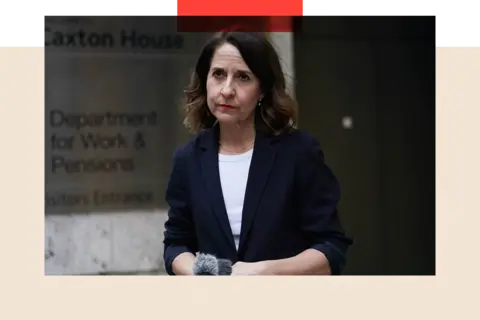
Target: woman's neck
x,y
236,138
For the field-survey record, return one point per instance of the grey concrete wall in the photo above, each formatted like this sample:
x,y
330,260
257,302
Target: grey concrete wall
x,y
105,238
283,43
94,243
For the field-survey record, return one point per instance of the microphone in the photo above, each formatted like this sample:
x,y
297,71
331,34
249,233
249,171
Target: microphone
x,y
209,265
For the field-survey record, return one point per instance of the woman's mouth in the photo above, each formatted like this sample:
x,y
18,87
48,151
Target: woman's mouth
x,y
226,106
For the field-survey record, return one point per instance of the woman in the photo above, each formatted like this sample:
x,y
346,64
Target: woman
x,y
249,187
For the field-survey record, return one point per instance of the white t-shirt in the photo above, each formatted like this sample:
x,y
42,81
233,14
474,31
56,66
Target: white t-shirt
x,y
233,171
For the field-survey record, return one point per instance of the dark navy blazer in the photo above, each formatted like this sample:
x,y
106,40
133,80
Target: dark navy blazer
x,y
290,203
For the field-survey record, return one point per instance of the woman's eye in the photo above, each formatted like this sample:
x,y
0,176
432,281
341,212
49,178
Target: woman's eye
x,y
217,73
244,77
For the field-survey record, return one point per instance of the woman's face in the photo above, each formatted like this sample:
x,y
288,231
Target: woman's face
x,y
233,90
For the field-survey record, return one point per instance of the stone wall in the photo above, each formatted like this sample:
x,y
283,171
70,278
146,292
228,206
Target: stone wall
x,y
102,243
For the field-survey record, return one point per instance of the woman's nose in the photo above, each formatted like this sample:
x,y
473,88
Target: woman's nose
x,y
227,90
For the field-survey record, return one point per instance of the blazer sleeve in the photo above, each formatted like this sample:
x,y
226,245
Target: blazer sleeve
x,y
179,234
318,194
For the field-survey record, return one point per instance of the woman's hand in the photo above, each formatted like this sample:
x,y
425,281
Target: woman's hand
x,y
183,264
250,268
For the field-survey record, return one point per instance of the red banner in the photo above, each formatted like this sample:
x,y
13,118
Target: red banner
x,y
239,8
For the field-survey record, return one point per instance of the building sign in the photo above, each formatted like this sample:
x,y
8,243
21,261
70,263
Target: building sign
x,y
124,39
112,100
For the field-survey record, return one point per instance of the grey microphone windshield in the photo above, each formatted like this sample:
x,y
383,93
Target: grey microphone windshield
x,y
208,265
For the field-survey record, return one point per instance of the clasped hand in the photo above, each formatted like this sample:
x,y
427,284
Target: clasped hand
x,y
250,268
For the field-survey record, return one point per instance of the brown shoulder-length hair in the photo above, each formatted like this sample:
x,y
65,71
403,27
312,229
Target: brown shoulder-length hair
x,y
277,112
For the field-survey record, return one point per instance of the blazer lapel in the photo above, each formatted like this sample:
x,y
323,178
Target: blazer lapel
x,y
211,177
262,162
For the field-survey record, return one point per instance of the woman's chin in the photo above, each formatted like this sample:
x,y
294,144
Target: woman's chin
x,y
226,118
